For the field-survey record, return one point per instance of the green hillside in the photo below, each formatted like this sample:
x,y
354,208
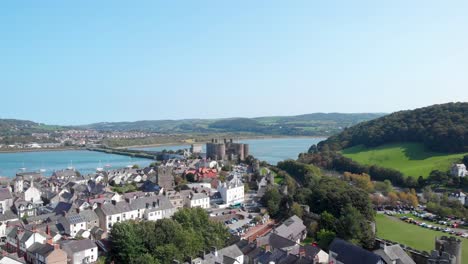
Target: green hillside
x,y
411,235
412,159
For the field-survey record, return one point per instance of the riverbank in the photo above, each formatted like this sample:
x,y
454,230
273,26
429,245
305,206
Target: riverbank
x,y
40,149
189,142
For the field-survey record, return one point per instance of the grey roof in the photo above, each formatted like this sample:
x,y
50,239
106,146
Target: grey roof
x,y
41,249
395,253
226,255
291,228
62,207
311,251
5,194
75,246
117,208
25,235
75,218
89,215
153,203
8,215
280,242
351,254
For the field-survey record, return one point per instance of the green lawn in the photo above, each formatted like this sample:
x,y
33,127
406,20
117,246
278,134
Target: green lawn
x,y
412,159
411,235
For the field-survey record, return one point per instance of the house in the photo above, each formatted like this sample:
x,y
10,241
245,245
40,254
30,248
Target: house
x,y
20,239
458,170
176,199
12,259
232,191
72,224
33,194
273,241
458,196
394,255
90,217
194,199
155,207
40,253
293,229
24,209
6,200
80,251
114,212
342,252
5,217
227,255
313,252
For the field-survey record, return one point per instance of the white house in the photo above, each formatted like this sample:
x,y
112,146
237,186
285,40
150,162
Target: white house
x,y
197,200
151,208
80,251
33,194
459,170
73,224
6,200
232,191
22,237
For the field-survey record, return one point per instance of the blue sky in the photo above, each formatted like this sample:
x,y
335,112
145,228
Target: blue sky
x,y
76,62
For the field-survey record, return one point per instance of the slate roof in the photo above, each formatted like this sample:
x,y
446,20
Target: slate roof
x,y
280,242
8,215
62,207
5,194
351,254
41,249
76,246
291,228
394,253
75,218
89,215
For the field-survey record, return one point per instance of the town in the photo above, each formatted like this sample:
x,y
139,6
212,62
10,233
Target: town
x,y
68,217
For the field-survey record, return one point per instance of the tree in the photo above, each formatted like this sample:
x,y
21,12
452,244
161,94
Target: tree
x,y
126,244
135,166
324,238
421,181
272,199
190,177
327,221
296,209
465,160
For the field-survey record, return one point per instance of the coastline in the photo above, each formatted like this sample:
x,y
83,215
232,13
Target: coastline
x,y
40,150
202,143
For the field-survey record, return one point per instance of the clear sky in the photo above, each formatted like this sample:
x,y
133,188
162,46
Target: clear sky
x,y
76,62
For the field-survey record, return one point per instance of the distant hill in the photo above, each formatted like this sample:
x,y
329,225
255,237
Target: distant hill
x,y
440,128
318,124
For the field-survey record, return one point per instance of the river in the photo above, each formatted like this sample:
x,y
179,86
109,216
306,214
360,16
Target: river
x,y
271,150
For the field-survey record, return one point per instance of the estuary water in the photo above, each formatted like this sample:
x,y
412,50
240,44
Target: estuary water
x,y
271,150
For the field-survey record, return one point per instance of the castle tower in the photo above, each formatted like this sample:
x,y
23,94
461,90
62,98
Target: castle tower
x,y
450,245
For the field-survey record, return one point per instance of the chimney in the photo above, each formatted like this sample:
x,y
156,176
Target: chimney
x,y
214,250
77,210
114,202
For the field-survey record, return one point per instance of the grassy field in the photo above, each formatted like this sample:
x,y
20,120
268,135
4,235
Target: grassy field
x,y
411,235
412,159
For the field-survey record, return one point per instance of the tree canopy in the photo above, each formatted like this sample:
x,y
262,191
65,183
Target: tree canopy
x,y
185,235
442,128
